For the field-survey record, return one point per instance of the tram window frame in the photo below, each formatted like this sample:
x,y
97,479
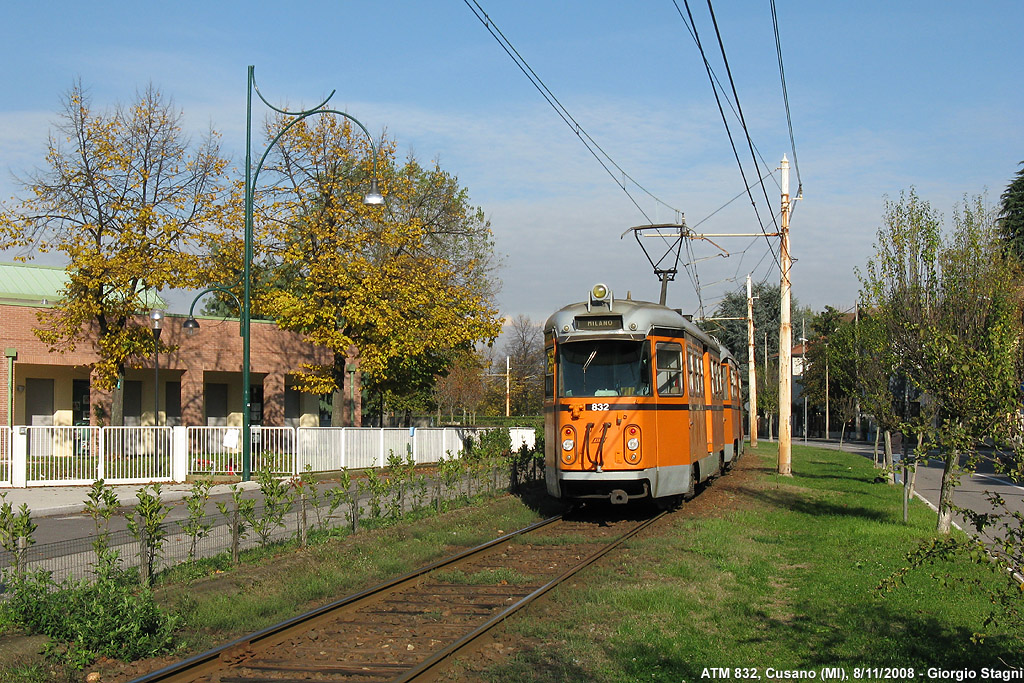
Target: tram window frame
x,y
618,372
665,353
696,364
549,369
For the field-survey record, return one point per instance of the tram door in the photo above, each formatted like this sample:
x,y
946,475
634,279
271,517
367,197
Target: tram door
x,y
698,404
713,401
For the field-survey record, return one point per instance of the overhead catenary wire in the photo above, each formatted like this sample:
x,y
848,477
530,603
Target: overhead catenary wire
x,y
785,99
739,108
602,157
692,26
614,170
716,82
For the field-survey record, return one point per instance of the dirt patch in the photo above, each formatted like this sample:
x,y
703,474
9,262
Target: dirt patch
x,y
20,647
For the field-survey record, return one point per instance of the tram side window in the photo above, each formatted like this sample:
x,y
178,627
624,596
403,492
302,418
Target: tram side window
x,y
549,372
670,369
696,366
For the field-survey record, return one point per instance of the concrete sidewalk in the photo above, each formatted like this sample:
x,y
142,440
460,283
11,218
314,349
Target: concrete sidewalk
x,y
50,501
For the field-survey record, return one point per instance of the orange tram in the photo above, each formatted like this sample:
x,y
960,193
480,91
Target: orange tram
x,y
639,402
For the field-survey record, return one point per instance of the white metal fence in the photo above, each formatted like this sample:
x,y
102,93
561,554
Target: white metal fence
x,y
5,457
40,456
81,455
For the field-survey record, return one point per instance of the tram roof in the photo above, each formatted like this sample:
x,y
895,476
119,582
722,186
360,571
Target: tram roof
x,y
644,314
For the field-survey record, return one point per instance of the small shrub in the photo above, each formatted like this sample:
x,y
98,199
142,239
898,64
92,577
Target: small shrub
x,y
110,617
16,529
240,511
147,525
277,501
101,504
198,525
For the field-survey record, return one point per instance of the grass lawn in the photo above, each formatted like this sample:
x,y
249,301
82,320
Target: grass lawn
x,y
765,572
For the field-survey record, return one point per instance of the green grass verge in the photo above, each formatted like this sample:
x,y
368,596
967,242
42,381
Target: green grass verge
x,y
784,574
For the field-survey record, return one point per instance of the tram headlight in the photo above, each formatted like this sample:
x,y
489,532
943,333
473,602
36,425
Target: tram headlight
x,y
567,444
632,444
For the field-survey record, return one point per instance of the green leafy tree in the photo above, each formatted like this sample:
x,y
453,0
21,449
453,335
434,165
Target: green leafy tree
x,y
831,360
729,324
768,396
402,285
132,203
951,309
1011,215
875,374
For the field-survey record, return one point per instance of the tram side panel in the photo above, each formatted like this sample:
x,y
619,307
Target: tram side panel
x,y
552,442
733,412
728,417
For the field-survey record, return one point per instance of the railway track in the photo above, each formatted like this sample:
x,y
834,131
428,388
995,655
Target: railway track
x,y
407,628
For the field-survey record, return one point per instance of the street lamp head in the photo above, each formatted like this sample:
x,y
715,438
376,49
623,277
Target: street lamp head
x,y
373,197
156,317
191,326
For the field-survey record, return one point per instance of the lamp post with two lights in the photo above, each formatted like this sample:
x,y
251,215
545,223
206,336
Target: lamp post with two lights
x,y
373,197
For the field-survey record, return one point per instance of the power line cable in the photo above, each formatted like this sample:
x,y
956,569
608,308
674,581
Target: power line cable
x,y
707,65
592,146
785,99
716,82
739,108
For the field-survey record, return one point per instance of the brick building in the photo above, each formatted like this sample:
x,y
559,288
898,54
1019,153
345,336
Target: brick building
x,y
199,383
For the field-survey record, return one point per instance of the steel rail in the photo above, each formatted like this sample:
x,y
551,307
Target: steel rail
x,y
205,662
442,655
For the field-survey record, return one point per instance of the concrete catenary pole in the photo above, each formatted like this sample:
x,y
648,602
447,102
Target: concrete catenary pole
x,y
751,367
785,336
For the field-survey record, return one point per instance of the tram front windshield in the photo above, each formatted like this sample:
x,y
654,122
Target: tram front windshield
x,y
604,367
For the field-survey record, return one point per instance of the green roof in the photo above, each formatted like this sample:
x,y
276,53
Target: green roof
x,y
24,283
30,283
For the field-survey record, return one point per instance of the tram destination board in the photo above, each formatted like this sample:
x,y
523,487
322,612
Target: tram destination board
x,y
598,323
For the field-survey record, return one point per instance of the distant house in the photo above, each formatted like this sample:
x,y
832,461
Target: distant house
x,y
199,383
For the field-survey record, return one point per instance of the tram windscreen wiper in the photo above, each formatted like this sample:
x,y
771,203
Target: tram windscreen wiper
x,y
590,359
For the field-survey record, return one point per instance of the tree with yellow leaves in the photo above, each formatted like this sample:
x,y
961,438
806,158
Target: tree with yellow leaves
x,y
404,284
133,205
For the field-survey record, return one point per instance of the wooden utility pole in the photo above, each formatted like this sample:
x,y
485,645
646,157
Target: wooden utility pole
x,y
785,336
751,367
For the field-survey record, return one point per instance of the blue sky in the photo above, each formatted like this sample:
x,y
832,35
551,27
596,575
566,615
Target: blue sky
x,y
884,95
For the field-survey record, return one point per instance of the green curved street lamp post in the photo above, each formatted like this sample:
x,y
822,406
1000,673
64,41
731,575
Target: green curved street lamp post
x,y
372,197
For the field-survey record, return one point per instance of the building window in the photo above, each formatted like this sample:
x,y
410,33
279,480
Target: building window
x,y
172,404
132,403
